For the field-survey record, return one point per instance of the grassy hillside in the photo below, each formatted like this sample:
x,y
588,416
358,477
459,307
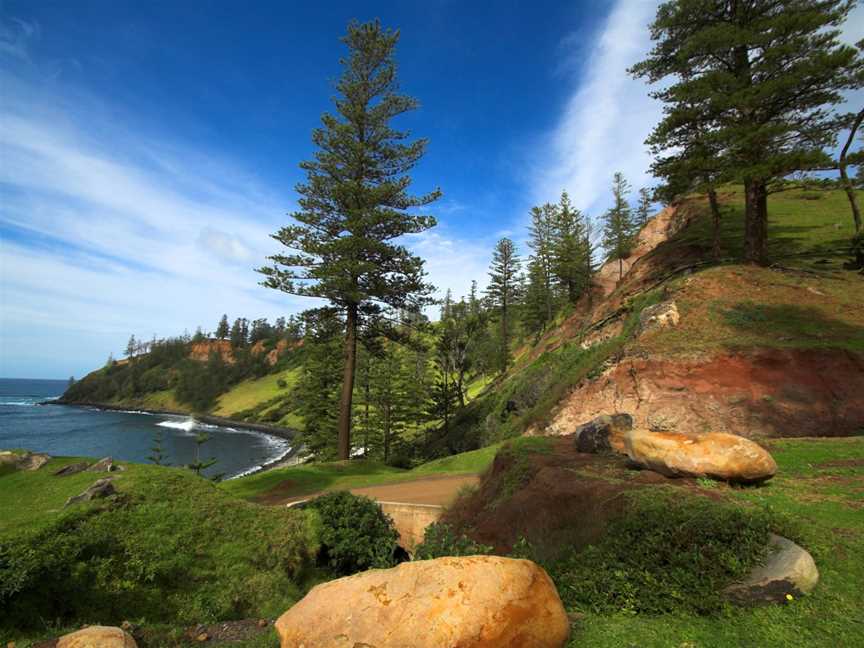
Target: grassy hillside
x,y
296,481
171,549
818,488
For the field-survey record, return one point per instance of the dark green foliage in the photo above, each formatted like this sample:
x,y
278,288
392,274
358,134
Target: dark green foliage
x,y
541,299
669,553
200,464
572,250
643,209
529,396
199,384
355,205
173,549
753,94
222,328
503,293
439,540
619,231
355,533
317,391
157,452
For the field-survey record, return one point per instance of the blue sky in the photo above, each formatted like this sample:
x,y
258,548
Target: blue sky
x,y
147,149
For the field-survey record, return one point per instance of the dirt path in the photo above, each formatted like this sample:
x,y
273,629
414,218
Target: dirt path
x,y
440,490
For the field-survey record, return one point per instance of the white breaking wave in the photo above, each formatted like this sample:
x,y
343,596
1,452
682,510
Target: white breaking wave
x,y
184,426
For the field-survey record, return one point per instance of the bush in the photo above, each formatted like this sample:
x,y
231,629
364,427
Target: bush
x,y
355,533
668,553
440,540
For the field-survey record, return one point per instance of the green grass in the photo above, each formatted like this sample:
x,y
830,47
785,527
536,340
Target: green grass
x,y
805,228
172,549
825,502
316,477
296,481
477,385
249,393
473,461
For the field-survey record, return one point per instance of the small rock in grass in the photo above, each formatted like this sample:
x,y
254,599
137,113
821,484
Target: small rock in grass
x,y
788,572
106,464
72,469
262,623
202,637
97,637
101,489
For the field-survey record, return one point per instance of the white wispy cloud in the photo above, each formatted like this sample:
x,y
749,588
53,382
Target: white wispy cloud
x,y
607,118
112,231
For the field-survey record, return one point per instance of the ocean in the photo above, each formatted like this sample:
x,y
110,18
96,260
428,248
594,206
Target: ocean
x,y
127,436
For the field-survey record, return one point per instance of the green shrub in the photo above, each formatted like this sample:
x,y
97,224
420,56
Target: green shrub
x,y
669,553
440,540
355,533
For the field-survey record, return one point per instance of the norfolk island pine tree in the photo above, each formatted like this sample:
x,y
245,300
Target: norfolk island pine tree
x,y
355,202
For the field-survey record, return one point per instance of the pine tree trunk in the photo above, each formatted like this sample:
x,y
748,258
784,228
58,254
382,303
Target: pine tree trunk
x,y
715,215
847,185
350,359
755,222
366,387
505,347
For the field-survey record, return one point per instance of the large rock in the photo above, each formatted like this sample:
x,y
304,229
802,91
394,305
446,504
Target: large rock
x,y
469,602
97,637
72,469
659,316
100,489
718,455
24,461
603,434
106,464
789,570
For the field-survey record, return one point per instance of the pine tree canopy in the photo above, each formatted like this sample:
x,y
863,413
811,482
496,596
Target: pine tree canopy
x,y
355,201
355,206
619,231
755,85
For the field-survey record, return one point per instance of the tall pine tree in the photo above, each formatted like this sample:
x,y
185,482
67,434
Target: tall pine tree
x,y
569,250
355,204
503,292
618,229
768,74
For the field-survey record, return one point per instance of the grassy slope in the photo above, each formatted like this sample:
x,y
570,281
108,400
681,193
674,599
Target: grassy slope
x,y
249,393
826,502
807,301
340,475
209,556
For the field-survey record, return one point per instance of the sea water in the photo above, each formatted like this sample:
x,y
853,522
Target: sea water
x,y
127,436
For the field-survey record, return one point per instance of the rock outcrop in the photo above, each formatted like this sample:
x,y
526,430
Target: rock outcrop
x,y
603,434
717,455
25,461
97,637
659,316
72,469
105,464
754,393
469,602
101,489
789,571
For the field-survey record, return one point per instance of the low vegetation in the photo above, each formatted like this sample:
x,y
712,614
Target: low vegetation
x,y
170,548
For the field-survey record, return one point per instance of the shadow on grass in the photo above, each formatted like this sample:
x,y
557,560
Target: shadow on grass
x,y
792,325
